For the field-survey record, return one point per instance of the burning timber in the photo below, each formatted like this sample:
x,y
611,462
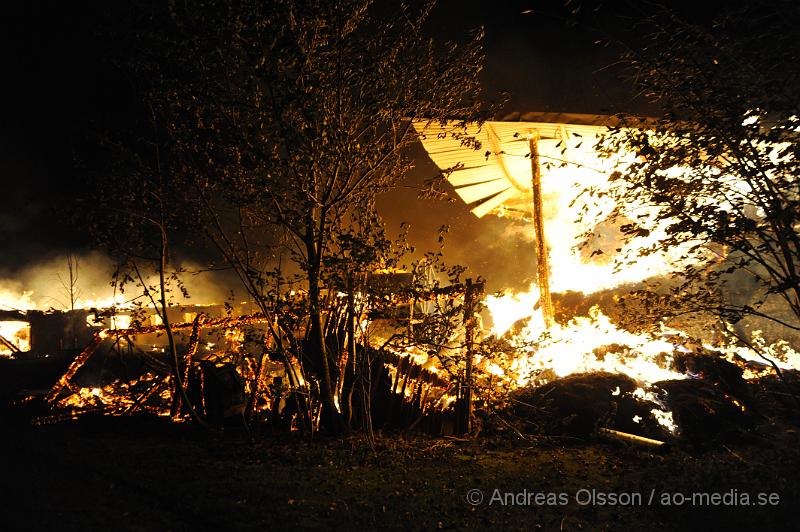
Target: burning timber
x,y
702,396
543,169
121,371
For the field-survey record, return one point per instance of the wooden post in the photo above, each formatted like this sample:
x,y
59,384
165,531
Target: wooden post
x,y
543,270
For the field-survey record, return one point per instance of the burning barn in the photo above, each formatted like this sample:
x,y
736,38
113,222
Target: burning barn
x,y
545,169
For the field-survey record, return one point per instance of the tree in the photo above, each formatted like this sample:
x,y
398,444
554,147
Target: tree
x,y
719,171
134,214
287,118
70,283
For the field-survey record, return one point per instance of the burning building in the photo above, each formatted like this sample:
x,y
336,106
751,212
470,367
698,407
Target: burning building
x,y
545,169
537,169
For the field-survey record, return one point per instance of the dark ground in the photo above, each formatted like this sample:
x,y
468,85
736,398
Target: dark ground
x,y
146,474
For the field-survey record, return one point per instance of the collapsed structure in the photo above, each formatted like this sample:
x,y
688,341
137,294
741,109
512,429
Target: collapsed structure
x,y
534,168
511,168
546,169
231,367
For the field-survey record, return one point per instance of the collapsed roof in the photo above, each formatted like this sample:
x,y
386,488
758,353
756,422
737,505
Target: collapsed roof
x,y
494,174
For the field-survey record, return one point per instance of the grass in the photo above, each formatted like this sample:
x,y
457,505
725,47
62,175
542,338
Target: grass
x,y
147,474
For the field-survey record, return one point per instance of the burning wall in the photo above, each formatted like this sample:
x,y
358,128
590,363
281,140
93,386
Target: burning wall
x,y
39,313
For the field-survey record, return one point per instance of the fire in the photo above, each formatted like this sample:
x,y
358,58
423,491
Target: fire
x,y
577,205
584,250
551,172
593,343
12,300
780,353
116,397
16,333
662,415
114,301
120,321
585,344
24,299
552,161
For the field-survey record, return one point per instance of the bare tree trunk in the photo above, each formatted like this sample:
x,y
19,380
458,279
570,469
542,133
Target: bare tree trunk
x,y
331,417
471,296
365,379
72,265
171,338
351,369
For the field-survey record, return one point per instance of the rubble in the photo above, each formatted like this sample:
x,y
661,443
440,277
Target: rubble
x,y
714,370
579,404
704,412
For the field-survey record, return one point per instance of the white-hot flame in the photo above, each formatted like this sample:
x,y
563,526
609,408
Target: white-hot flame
x,y
14,300
17,333
585,344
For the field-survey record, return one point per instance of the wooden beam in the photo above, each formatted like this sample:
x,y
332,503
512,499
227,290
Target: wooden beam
x,y
630,438
543,269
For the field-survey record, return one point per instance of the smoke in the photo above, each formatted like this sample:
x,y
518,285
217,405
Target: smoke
x,y
46,285
498,249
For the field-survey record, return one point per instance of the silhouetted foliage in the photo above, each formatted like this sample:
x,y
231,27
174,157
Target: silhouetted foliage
x,y
720,165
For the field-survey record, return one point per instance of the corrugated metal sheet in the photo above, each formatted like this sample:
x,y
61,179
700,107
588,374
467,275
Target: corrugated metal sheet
x,y
498,173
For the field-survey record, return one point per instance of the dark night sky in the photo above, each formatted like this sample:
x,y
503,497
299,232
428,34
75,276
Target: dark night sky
x,y
55,81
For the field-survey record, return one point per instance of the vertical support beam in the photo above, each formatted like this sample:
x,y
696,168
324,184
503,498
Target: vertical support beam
x,y
543,270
